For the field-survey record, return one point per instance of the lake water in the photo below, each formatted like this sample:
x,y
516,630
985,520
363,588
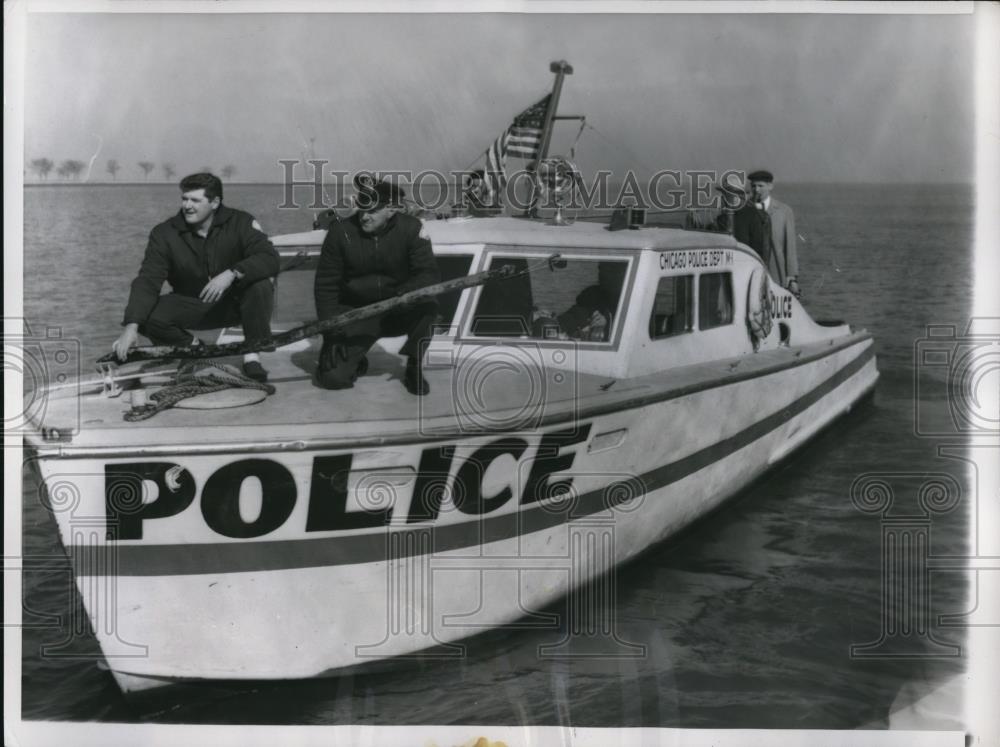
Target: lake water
x,y
748,617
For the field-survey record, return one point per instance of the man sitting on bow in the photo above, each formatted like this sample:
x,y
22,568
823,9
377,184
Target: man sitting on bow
x,y
220,267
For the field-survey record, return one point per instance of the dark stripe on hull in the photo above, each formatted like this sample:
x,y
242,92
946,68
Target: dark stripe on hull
x,y
242,557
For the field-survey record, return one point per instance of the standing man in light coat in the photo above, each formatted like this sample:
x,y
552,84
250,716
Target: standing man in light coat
x,y
783,260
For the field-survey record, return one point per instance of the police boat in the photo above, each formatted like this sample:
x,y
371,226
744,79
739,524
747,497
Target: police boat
x,y
592,392
582,409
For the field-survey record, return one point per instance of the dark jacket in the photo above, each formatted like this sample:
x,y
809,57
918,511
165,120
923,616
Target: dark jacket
x,y
753,228
175,253
356,269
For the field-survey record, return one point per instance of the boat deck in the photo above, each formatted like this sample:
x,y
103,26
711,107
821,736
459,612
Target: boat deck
x,y
378,409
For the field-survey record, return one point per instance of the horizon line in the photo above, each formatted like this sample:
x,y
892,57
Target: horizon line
x,y
43,183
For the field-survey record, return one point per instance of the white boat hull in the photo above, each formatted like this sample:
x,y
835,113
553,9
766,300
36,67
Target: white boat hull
x,y
182,602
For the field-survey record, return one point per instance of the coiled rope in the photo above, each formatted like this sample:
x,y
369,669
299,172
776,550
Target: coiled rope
x,y
212,377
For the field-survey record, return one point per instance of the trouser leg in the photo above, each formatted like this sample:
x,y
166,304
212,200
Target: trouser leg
x,y
340,360
171,318
250,306
342,354
256,305
174,314
417,322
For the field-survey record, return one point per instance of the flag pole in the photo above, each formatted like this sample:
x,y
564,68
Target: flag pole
x,y
561,68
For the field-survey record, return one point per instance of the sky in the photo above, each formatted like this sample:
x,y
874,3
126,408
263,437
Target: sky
x,y
814,98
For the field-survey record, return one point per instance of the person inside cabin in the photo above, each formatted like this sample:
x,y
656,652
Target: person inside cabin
x,y
591,317
592,314
378,253
220,266
768,226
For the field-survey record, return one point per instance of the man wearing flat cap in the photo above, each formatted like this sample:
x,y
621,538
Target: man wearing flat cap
x,y
768,227
376,254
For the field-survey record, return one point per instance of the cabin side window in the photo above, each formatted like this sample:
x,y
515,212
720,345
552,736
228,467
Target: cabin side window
x,y
450,266
294,302
672,307
571,299
715,300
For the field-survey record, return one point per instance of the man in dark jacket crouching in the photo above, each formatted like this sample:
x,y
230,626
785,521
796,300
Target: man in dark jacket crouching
x,y
376,254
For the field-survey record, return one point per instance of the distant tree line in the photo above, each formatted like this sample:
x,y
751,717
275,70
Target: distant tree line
x,y
70,169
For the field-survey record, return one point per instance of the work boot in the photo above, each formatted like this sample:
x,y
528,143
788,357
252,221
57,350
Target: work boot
x,y
414,380
255,371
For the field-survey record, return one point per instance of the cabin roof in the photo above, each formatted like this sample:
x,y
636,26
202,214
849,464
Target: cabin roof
x,y
524,232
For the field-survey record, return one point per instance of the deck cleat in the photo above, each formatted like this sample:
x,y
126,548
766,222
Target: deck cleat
x,y
109,383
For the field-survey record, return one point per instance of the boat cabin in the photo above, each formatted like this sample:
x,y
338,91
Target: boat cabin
x,y
627,303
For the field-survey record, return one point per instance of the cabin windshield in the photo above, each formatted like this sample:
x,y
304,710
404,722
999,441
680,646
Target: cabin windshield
x,y
575,298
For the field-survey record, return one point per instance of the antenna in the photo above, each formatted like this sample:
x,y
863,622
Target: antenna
x,y
561,68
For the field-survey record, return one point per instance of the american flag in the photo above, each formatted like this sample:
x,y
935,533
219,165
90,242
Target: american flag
x,y
521,139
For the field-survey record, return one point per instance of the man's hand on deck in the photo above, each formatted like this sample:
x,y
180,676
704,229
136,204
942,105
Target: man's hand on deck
x,y
217,286
125,340
793,286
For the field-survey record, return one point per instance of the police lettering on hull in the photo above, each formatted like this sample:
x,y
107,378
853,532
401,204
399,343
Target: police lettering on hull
x,y
693,259
438,476
781,306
